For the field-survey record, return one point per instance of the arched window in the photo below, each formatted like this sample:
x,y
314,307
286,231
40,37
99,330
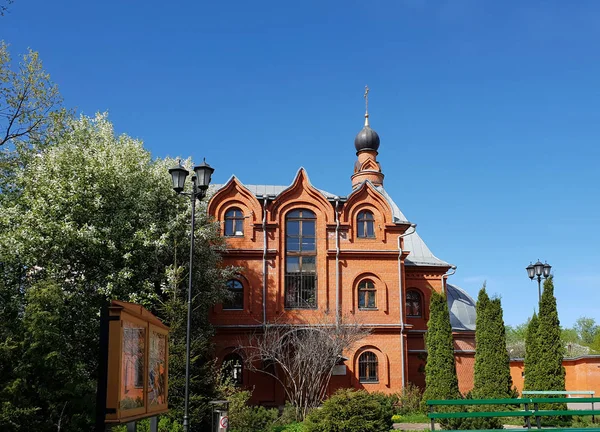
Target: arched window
x,y
300,260
236,289
233,368
367,367
234,222
414,306
366,295
365,224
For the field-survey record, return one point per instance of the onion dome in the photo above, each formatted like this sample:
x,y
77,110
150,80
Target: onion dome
x,y
367,138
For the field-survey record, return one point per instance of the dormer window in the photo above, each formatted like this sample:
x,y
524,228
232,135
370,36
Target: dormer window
x,y
365,224
234,223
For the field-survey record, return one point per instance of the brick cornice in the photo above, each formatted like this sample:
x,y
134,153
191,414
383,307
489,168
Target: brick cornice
x,y
253,253
382,253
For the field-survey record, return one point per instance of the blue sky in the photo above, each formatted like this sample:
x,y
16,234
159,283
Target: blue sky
x,y
488,112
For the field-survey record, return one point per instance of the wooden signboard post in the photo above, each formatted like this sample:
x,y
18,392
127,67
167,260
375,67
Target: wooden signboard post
x,y
133,381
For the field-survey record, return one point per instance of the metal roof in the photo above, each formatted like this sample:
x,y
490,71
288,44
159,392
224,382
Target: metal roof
x,y
420,254
462,308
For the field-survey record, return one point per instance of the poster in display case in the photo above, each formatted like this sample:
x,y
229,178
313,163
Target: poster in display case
x,y
136,364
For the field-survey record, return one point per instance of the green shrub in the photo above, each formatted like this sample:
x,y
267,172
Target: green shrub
x,y
165,424
243,417
353,411
292,427
396,418
409,401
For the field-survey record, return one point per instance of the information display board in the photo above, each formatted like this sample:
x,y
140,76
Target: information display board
x,y
137,364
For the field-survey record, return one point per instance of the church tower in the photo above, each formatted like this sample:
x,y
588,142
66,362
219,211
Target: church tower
x,y
367,144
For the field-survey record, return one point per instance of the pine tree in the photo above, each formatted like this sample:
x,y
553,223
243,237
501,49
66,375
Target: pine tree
x,y
492,369
441,380
531,354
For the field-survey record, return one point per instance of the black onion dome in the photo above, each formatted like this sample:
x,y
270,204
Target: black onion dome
x,y
367,139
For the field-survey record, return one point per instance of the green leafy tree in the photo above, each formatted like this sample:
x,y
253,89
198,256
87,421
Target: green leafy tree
x,y
96,219
595,345
31,114
586,329
532,355
28,98
516,334
441,381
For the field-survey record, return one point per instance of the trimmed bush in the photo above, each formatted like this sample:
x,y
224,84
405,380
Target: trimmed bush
x,y
492,369
441,381
353,411
532,355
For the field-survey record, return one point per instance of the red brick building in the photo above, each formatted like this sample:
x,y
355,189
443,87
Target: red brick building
x,y
306,251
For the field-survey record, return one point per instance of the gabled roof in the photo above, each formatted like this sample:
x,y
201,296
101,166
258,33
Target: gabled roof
x,y
420,254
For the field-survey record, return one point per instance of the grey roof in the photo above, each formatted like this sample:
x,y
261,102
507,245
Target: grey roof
x,y
420,255
260,190
462,308
396,213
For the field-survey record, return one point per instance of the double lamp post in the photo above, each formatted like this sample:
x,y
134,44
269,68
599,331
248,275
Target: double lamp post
x,y
539,269
200,182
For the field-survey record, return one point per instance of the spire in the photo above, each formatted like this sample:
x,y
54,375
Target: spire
x,y
366,96
367,144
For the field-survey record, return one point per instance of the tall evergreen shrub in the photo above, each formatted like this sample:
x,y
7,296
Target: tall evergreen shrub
x,y
544,353
492,369
441,381
551,372
532,355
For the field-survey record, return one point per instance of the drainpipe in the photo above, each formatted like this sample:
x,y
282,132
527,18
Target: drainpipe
x,y
411,230
446,276
264,290
337,262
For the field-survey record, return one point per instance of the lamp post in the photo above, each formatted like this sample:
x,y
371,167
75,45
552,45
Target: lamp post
x,y
200,182
538,269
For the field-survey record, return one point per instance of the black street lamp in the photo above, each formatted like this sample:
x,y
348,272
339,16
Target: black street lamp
x,y
200,182
538,269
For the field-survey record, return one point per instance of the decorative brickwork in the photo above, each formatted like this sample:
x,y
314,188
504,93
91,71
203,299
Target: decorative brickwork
x,y
344,257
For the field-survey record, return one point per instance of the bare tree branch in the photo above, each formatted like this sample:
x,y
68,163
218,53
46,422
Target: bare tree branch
x,y
301,357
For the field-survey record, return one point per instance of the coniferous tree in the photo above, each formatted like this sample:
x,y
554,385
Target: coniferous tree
x,y
441,380
531,354
551,372
492,369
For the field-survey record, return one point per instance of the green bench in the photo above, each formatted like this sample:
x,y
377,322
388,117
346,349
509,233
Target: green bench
x,y
530,409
